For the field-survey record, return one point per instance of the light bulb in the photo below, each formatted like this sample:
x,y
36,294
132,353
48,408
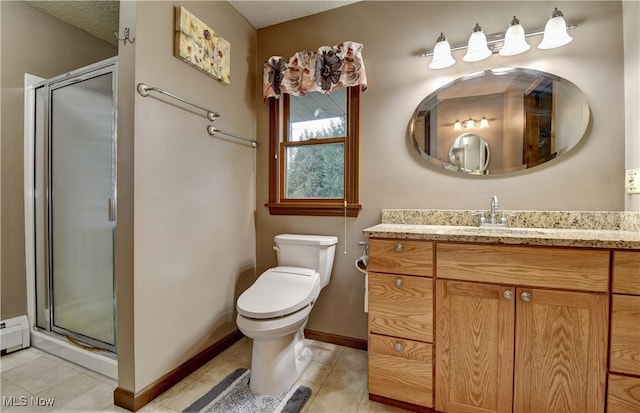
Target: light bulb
x,y
514,41
477,47
555,32
442,54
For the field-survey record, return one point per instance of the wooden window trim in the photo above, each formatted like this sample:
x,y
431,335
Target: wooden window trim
x,y
316,207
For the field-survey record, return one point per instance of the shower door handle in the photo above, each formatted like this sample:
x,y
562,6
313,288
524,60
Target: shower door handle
x,y
112,210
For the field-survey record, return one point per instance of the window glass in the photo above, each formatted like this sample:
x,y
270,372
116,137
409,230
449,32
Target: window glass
x,y
315,171
314,158
317,116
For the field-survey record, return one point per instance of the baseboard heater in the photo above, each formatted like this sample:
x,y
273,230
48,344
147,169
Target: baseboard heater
x,y
14,334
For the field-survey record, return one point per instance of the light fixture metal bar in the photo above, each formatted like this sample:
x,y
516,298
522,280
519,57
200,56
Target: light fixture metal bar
x,y
494,41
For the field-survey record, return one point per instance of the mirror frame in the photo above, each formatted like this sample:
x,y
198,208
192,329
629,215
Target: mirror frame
x,y
560,144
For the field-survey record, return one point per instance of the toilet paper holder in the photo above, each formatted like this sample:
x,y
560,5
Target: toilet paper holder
x,y
364,244
363,261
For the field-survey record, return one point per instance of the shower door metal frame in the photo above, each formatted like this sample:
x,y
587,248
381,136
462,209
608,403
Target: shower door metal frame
x,y
67,79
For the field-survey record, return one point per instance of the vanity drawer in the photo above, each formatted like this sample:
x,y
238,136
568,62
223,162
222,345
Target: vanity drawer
x,y
626,272
564,268
401,256
624,348
623,394
401,306
401,369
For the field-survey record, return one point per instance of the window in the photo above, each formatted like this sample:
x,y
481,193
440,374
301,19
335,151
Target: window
x,y
314,160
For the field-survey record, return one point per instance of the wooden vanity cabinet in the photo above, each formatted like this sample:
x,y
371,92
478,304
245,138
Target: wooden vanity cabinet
x,y
400,282
508,345
474,347
463,327
623,393
561,352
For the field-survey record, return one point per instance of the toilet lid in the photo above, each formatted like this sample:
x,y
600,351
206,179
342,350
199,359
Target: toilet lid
x,y
279,291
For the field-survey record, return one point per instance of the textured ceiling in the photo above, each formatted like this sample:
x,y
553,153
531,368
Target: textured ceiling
x,y
100,18
266,13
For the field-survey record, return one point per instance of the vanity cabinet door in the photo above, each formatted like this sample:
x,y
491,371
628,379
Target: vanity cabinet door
x,y
561,351
543,350
474,347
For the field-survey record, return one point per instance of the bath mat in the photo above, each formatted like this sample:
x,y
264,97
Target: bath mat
x,y
232,395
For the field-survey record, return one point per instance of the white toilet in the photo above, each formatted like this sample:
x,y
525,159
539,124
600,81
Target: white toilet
x,y
274,310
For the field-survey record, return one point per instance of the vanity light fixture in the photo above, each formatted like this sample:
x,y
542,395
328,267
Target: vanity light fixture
x,y
510,43
555,32
442,54
477,48
514,41
470,124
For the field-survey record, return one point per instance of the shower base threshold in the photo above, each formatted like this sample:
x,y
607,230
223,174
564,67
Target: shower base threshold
x,y
105,364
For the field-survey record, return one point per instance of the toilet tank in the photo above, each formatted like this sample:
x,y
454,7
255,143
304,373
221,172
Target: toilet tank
x,y
308,251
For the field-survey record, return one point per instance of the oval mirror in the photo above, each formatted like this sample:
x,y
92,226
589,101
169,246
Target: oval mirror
x,y
521,117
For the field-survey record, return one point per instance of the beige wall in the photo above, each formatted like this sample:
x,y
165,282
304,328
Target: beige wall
x,y
35,43
391,173
192,195
631,12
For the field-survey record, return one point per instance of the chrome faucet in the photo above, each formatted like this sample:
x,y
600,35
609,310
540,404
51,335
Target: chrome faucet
x,y
493,220
492,212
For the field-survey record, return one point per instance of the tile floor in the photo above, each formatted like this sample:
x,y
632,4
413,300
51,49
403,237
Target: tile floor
x,y
337,377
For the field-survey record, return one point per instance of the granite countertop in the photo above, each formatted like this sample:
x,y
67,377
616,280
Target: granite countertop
x,y
561,229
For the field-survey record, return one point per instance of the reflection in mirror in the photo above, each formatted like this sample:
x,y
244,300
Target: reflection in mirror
x,y
526,116
469,153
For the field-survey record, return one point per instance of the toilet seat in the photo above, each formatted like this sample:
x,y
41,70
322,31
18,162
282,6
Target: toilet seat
x,y
278,292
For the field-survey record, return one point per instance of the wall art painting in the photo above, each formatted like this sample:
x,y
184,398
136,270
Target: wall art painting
x,y
198,45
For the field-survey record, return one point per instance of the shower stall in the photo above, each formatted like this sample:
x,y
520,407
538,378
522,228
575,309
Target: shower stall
x,y
70,213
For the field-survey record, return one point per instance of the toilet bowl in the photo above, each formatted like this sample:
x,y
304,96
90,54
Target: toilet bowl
x,y
274,311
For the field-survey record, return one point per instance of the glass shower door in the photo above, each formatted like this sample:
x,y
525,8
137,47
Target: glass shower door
x,y
81,209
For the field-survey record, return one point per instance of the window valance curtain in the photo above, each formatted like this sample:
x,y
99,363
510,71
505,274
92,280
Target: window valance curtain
x,y
326,70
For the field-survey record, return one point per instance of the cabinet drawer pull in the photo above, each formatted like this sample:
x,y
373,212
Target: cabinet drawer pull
x,y
398,282
508,295
526,297
398,247
397,347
